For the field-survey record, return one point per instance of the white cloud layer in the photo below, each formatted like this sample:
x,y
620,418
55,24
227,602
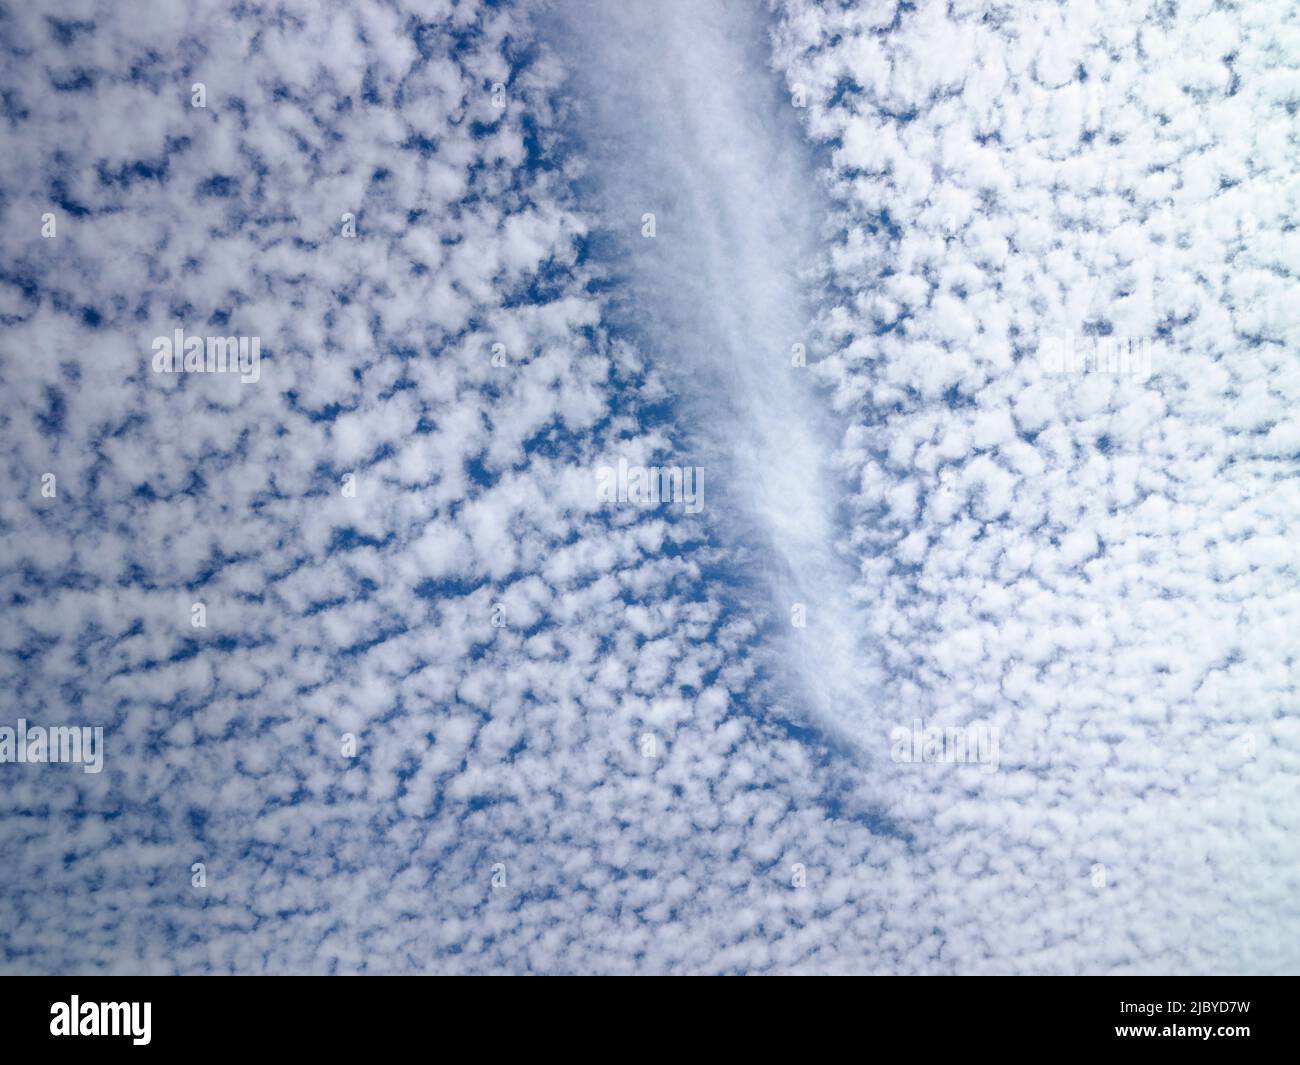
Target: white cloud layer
x,y
1102,567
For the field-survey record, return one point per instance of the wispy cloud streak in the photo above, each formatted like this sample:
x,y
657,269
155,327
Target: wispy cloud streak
x,y
686,121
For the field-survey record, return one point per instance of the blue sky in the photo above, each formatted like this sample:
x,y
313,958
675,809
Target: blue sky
x,y
451,712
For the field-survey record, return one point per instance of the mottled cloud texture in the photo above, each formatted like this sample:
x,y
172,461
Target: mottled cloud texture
x,y
448,710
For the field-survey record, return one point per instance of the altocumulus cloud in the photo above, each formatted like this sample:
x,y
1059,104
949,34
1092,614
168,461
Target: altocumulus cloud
x,y
386,687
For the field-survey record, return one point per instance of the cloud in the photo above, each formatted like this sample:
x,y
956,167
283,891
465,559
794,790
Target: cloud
x,y
705,142
447,711
1050,550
